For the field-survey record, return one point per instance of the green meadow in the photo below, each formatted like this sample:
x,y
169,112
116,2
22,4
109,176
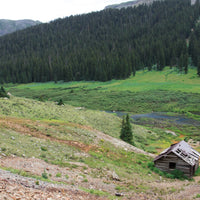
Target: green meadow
x,y
168,79
166,91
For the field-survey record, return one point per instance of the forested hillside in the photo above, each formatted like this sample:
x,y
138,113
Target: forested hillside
x,y
104,45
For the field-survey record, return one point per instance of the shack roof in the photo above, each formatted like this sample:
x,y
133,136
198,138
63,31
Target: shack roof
x,y
183,150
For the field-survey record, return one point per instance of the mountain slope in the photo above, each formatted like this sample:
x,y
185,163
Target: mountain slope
x,y
63,147
9,26
63,152
134,3
130,4
111,44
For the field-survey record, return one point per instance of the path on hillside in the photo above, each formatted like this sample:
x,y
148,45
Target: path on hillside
x,y
121,144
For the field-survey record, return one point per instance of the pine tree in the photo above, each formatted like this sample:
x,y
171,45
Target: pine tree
x,y
122,133
185,63
126,130
3,93
60,103
198,67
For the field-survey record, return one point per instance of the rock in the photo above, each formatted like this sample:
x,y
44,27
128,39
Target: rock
x,y
115,176
91,187
13,138
80,178
171,132
119,194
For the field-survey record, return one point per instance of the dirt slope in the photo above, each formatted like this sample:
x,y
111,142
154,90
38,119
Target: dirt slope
x,y
17,187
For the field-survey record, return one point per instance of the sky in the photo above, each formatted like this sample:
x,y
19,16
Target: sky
x,y
48,10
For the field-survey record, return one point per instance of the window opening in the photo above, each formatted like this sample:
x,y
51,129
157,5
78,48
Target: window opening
x,y
172,165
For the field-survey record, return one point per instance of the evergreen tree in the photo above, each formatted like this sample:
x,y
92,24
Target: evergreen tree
x,y
185,63
3,93
60,103
198,68
126,130
181,62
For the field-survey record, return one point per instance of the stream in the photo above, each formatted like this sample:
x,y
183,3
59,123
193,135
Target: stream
x,y
161,116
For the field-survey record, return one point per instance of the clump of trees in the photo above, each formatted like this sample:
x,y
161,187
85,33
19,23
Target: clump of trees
x,y
126,133
3,93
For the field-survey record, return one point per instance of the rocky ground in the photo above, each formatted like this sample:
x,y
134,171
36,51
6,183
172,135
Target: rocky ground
x,y
13,186
16,187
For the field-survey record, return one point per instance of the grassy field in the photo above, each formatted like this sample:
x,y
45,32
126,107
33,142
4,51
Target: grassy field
x,y
166,91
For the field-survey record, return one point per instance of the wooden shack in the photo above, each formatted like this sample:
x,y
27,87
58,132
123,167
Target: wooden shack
x,y
179,156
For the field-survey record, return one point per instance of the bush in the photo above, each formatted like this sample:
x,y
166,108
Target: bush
x,y
43,148
197,196
66,176
37,182
170,176
44,175
178,174
150,165
197,173
174,174
58,175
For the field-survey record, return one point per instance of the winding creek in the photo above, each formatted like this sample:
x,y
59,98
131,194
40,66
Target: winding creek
x,y
161,116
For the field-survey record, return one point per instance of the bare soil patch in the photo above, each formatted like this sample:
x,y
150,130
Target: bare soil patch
x,y
19,125
79,177
16,187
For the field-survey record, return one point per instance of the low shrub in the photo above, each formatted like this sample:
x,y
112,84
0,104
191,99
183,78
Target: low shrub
x,y
37,182
58,175
178,174
197,196
44,175
174,174
44,148
197,173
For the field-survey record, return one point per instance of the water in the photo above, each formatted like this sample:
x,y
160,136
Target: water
x,y
161,116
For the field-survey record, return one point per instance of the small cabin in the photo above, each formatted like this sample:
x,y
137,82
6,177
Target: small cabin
x,y
179,156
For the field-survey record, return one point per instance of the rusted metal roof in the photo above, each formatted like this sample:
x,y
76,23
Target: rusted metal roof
x,y
184,151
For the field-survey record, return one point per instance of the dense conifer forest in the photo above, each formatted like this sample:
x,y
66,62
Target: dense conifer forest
x,y
105,45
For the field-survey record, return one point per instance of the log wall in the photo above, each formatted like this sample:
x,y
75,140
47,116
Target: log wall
x,y
163,164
